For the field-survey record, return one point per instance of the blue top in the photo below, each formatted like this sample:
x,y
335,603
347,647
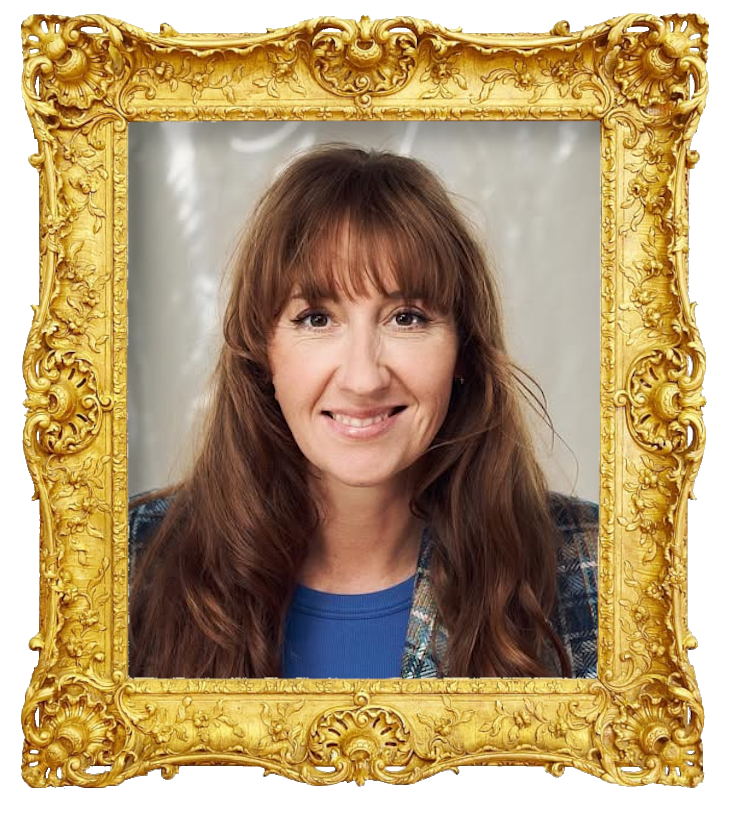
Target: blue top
x,y
347,636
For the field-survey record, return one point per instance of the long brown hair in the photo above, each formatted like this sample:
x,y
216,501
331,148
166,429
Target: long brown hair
x,y
213,588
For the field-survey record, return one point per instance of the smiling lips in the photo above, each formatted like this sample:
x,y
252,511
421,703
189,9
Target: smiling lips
x,y
363,418
361,426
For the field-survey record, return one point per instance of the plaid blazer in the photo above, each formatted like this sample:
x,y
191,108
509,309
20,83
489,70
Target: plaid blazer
x,y
574,618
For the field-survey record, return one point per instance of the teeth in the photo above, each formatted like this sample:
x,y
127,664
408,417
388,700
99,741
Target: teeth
x,y
354,422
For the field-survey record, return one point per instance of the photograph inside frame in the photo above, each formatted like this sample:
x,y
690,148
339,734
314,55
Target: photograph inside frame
x,y
361,580
363,417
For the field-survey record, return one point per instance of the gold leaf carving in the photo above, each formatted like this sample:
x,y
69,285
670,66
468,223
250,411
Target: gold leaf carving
x,y
201,76
442,72
364,59
664,402
69,66
66,410
644,79
444,740
70,727
360,742
282,72
653,67
284,731
536,75
659,734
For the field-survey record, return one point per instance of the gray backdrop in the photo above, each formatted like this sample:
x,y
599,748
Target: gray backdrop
x,y
532,188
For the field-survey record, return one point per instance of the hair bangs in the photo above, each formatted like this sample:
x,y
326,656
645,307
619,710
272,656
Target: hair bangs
x,y
354,253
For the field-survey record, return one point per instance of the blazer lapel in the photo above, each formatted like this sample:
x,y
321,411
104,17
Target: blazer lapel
x,y
419,659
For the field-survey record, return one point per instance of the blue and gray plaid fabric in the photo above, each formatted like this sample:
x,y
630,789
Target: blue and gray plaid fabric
x,y
574,618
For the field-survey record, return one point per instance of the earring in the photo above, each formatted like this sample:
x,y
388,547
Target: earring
x,y
460,380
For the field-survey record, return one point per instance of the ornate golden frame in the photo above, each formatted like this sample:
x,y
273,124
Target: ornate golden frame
x,y
84,79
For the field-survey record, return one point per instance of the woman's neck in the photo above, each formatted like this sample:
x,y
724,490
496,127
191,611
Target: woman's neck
x,y
368,541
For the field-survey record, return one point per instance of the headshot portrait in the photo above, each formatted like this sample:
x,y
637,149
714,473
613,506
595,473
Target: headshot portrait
x,y
363,399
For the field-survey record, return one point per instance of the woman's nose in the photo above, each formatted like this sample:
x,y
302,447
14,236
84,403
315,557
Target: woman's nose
x,y
362,367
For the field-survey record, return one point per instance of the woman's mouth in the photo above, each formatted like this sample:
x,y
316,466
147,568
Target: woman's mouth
x,y
367,427
354,421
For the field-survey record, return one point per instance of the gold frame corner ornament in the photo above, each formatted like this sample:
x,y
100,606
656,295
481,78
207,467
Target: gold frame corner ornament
x,y
84,79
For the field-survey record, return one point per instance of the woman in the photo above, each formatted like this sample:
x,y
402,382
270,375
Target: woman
x,y
366,502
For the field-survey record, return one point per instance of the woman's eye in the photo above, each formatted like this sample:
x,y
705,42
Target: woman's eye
x,y
405,319
313,319
317,320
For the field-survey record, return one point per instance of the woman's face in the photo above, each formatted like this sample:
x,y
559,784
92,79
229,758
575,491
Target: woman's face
x,y
364,386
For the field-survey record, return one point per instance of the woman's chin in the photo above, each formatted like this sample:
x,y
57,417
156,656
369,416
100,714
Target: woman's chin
x,y
362,477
